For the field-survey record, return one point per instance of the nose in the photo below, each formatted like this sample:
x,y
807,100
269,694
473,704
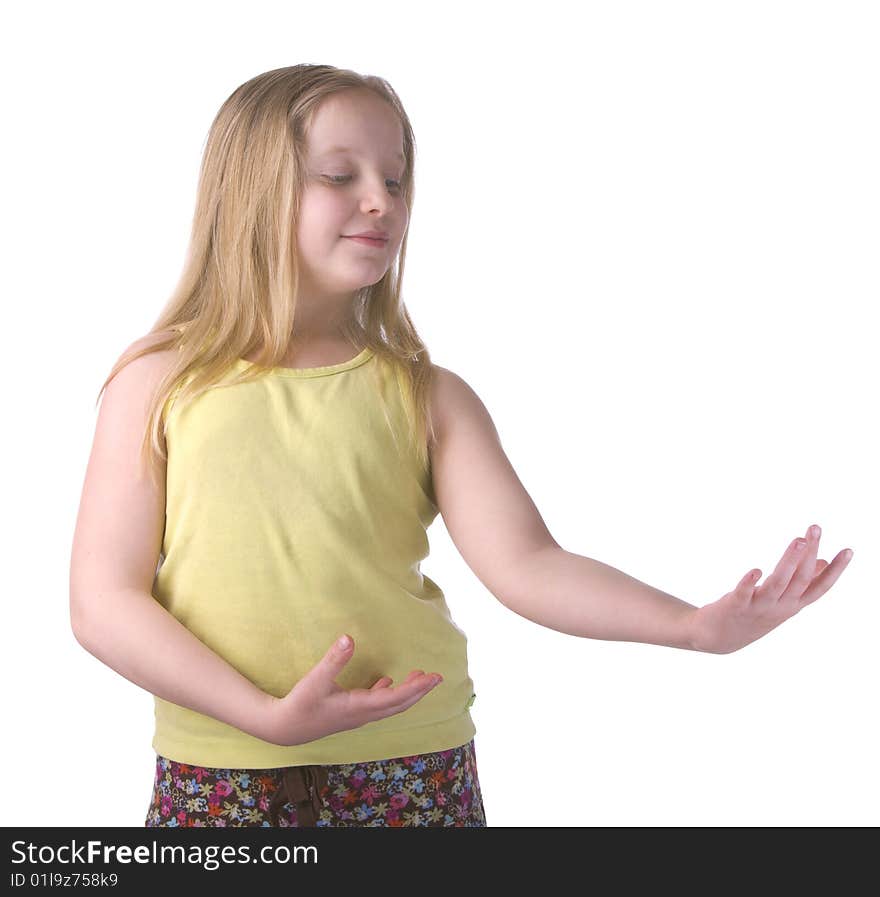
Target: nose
x,y
376,196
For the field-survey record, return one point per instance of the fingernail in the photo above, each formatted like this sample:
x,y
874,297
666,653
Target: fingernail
x,y
799,544
815,531
343,643
435,680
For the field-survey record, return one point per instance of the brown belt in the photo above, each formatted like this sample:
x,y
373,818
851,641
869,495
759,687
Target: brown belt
x,y
301,786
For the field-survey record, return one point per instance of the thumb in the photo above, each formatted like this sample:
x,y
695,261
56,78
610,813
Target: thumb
x,y
337,656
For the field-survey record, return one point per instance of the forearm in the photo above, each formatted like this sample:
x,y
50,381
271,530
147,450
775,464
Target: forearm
x,y
133,634
581,596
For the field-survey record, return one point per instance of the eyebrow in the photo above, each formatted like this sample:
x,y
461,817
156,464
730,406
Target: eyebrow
x,y
346,149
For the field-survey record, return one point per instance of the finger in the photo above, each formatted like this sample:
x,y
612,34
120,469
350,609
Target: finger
x,y
823,582
746,585
777,582
387,701
821,564
387,680
420,688
806,566
416,682
415,685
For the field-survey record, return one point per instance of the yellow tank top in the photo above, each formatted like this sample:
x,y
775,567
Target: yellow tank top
x,y
294,515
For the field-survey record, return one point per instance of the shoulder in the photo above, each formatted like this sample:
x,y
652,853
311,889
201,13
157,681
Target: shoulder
x,y
453,401
144,371
129,392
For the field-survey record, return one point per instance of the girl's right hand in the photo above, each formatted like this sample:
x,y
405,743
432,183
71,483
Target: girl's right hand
x,y
316,706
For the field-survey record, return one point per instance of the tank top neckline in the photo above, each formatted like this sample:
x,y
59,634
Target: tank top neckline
x,y
323,371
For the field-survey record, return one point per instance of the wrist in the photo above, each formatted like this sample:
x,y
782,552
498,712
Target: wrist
x,y
695,637
264,720
704,634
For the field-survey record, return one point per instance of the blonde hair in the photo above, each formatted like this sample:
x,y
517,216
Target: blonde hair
x,y
239,282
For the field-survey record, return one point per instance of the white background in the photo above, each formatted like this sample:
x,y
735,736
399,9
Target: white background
x,y
645,233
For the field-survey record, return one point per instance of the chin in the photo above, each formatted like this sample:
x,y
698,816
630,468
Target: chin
x,y
368,281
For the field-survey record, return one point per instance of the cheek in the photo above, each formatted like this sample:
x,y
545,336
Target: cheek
x,y
321,222
322,205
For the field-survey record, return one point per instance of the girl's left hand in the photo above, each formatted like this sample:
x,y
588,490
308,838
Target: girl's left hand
x,y
750,611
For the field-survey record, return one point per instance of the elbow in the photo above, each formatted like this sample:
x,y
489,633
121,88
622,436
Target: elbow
x,y
527,580
78,622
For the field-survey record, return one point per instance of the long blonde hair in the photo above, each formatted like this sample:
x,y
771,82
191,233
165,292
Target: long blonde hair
x,y
238,287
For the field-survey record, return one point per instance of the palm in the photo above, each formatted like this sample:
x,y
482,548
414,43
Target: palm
x,y
750,611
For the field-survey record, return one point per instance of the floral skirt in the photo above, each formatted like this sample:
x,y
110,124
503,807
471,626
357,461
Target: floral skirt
x,y
436,789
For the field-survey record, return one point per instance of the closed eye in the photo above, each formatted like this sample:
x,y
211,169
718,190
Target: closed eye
x,y
342,178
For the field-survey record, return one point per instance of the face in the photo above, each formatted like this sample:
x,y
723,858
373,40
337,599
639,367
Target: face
x,y
351,191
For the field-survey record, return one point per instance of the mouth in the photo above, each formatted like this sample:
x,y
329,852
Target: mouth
x,y
368,241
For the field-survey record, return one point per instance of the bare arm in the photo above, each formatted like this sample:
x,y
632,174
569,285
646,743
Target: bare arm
x,y
502,537
581,596
114,557
133,634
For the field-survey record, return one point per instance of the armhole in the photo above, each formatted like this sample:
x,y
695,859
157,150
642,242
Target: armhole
x,y
436,417
436,412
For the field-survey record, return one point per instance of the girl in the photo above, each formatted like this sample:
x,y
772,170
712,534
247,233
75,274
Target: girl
x,y
298,442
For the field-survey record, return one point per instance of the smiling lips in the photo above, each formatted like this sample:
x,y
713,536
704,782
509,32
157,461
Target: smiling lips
x,y
368,241
373,234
